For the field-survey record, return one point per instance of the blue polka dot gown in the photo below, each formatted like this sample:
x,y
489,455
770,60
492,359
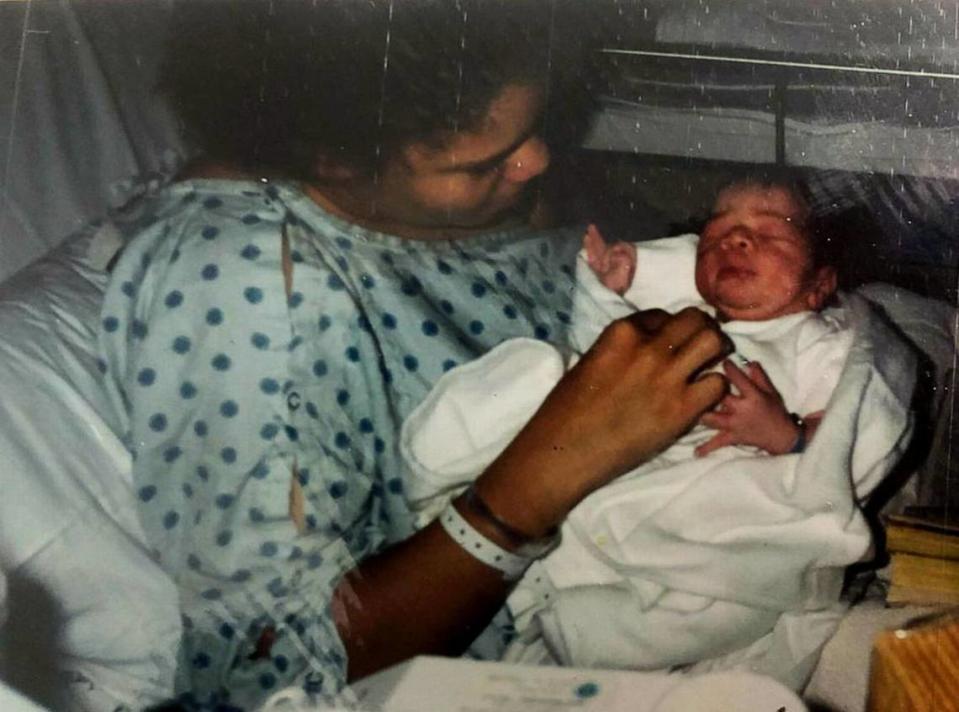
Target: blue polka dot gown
x,y
227,387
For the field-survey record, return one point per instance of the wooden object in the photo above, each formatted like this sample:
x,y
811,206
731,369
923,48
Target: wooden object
x,y
923,580
916,668
924,553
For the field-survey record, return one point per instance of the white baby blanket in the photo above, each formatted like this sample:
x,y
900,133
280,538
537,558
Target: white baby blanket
x,y
775,526
470,416
759,545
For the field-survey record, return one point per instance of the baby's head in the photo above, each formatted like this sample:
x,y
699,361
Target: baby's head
x,y
759,255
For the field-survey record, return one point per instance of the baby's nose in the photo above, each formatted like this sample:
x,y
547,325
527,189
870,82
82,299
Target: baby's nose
x,y
738,238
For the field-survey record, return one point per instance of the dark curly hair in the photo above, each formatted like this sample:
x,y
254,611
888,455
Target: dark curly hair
x,y
274,84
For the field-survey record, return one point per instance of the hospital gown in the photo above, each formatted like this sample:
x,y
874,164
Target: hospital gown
x,y
224,386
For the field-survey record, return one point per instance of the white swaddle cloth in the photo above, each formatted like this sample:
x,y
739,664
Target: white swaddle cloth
x,y
470,416
735,559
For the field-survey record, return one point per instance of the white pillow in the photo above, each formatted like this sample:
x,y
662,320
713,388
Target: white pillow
x,y
71,546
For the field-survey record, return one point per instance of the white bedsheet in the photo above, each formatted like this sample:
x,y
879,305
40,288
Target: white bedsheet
x,y
92,621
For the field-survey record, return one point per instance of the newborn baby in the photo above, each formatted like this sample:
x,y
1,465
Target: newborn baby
x,y
716,552
756,261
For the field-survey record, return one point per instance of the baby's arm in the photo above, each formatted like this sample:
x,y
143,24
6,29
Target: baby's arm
x,y
649,274
755,416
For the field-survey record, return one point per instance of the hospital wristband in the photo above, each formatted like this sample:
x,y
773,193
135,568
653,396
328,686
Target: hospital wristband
x,y
479,547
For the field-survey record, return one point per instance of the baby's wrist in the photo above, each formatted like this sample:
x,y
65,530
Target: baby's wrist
x,y
799,443
791,436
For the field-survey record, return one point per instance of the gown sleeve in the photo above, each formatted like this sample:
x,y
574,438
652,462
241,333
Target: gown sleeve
x,y
197,336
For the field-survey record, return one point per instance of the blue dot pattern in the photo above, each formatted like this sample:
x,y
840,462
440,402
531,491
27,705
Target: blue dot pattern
x,y
208,362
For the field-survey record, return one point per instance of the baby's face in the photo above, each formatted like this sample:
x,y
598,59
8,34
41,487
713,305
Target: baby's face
x,y
753,261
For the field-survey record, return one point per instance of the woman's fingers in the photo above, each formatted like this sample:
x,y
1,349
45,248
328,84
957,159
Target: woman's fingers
x,y
650,321
705,392
695,339
678,328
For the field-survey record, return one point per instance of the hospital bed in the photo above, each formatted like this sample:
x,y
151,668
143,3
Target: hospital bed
x,y
690,94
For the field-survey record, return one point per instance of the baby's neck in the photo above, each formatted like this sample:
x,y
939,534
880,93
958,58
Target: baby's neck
x,y
744,315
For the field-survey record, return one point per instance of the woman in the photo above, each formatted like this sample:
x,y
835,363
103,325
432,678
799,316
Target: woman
x,y
358,226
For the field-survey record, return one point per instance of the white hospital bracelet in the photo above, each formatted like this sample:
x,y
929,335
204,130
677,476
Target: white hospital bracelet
x,y
479,547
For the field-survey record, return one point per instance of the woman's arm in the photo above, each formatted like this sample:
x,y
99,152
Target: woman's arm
x,y
629,397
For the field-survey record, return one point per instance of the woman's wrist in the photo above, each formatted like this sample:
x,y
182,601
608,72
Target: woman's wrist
x,y
526,504
514,509
471,501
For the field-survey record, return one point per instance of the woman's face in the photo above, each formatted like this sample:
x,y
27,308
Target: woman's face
x,y
475,178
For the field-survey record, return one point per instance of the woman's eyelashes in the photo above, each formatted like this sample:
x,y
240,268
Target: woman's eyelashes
x,y
485,170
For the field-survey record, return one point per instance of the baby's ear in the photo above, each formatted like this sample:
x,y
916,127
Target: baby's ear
x,y
824,285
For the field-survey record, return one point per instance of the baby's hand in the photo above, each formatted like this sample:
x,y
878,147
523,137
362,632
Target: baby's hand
x,y
614,264
757,416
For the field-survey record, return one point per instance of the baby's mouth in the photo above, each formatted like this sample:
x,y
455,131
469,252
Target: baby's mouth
x,y
730,272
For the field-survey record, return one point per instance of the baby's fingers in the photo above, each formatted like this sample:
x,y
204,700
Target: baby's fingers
x,y
759,376
719,440
595,247
716,420
738,378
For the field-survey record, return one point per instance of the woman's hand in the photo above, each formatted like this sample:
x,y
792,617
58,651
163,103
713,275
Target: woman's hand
x,y
630,397
756,416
